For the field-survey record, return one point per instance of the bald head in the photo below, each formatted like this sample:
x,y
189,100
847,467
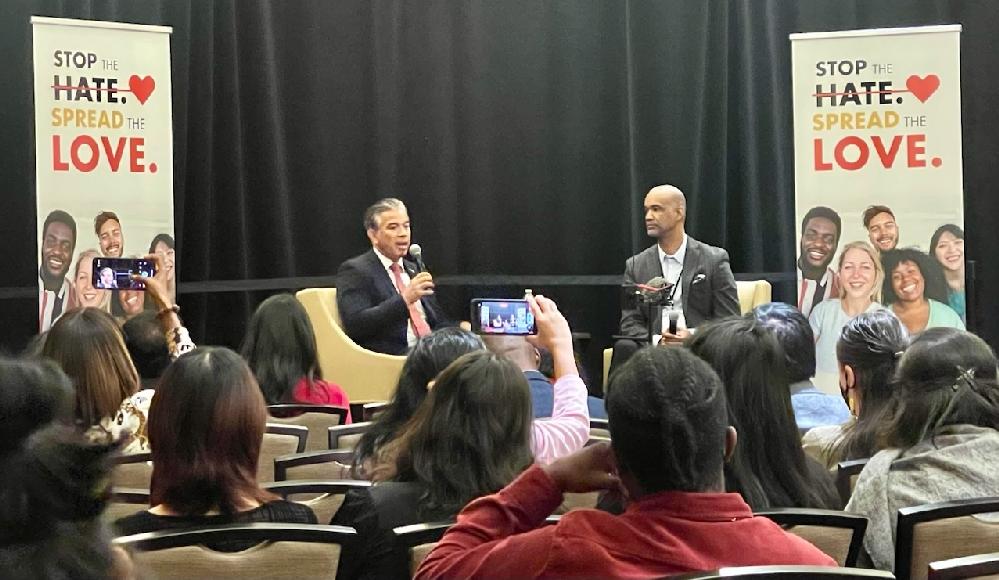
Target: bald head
x,y
665,212
515,348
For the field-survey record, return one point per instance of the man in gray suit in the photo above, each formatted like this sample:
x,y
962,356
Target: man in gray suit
x,y
699,281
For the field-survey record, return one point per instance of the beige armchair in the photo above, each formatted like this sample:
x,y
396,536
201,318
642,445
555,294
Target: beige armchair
x,y
363,374
752,293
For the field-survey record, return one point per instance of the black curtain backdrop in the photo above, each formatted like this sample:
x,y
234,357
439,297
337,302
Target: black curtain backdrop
x,y
522,135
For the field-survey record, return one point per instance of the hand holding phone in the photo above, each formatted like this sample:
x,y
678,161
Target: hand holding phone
x,y
120,273
503,317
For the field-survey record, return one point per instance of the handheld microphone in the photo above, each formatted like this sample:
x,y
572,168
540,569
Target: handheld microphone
x,y
416,252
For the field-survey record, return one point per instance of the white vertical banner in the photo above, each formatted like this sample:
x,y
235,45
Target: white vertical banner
x,y
103,155
877,142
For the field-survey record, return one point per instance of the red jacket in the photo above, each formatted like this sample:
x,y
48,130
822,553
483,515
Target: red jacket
x,y
321,393
661,534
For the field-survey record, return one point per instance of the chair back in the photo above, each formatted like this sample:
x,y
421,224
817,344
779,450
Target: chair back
x,y
417,541
847,473
279,440
346,436
600,428
323,497
839,534
132,471
285,551
980,566
314,466
753,293
125,502
364,375
944,530
316,418
371,410
785,573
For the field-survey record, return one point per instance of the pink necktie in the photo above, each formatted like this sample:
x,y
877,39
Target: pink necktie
x,y
420,326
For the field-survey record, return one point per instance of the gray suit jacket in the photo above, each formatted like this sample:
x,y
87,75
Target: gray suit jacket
x,y
707,286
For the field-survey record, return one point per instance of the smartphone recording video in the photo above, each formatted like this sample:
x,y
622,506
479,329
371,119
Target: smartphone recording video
x,y
514,317
116,273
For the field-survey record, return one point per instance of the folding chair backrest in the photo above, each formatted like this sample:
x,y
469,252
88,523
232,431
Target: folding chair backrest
x,y
838,534
316,418
346,436
944,530
969,567
125,502
786,573
324,497
279,440
418,540
314,466
847,473
134,471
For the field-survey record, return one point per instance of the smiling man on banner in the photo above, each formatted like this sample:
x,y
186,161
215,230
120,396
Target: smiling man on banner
x,y
820,231
55,291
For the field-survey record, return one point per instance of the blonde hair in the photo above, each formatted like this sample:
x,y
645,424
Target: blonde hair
x,y
879,276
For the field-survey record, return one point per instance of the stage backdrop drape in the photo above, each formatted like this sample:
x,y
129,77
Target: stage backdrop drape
x,y
522,134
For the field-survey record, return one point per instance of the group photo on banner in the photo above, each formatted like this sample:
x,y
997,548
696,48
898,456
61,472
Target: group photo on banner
x,y
878,181
104,164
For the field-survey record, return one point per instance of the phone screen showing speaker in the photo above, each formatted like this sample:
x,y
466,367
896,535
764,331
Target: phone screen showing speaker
x,y
116,273
491,316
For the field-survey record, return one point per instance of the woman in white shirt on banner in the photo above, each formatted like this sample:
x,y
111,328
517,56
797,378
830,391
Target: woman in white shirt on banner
x,y
860,280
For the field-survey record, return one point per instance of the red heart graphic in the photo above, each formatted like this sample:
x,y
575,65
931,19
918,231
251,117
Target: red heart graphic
x,y
141,87
922,87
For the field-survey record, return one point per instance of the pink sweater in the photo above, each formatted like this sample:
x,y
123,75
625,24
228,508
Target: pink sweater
x,y
568,429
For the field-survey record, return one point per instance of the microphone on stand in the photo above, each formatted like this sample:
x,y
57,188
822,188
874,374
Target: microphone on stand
x,y
416,252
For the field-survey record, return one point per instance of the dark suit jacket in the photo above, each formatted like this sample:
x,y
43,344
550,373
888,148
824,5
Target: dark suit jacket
x,y
373,313
707,286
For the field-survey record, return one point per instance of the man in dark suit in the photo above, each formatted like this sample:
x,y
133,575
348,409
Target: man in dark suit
x,y
699,282
385,303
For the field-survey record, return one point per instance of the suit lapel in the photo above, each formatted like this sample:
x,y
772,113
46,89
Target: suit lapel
x,y
691,266
386,285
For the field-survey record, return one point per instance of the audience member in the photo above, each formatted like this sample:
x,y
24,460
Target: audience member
x,y
468,439
915,289
280,347
670,438
820,231
868,350
811,406
206,425
54,482
860,282
147,346
431,355
529,359
769,468
947,246
939,434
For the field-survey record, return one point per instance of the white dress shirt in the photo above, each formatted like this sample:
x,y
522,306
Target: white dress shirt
x,y
387,264
672,265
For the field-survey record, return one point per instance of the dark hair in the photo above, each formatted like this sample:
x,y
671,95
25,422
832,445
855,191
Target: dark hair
x,y
379,207
820,211
795,336
280,347
946,377
103,217
668,420
952,229
165,238
874,210
769,467
210,397
472,435
146,344
54,482
870,344
88,345
934,283
428,357
62,217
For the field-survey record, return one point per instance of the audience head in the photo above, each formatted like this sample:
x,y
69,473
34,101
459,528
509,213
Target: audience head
x,y
147,345
912,276
428,357
472,435
280,347
52,479
820,231
946,377
751,364
210,396
387,225
515,348
89,347
868,350
668,422
795,336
